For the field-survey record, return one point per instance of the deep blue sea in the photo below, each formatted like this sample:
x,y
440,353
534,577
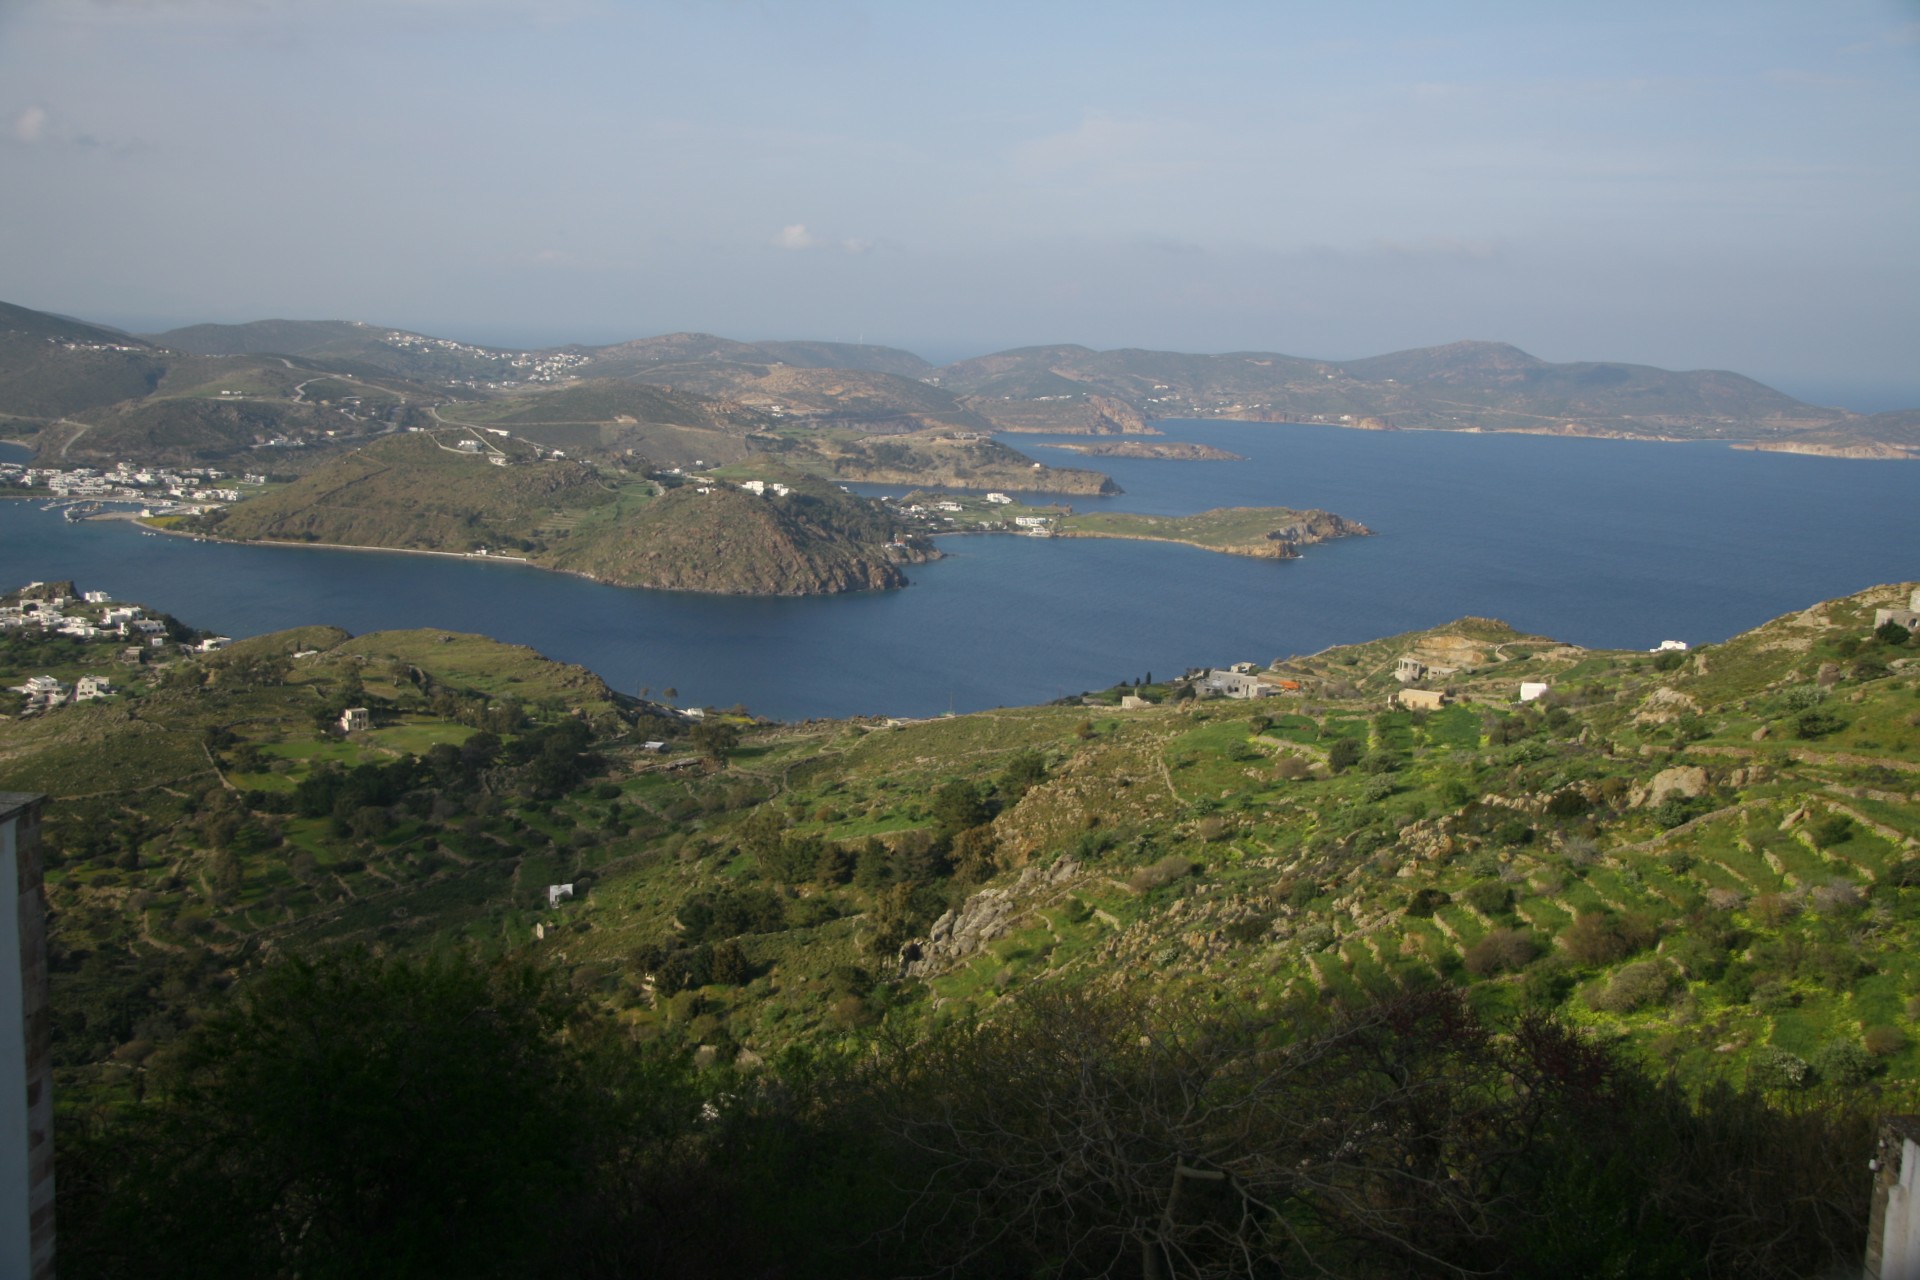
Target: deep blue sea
x,y
1599,542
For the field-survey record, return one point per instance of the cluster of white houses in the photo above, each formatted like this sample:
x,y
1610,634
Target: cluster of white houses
x,y
127,483
92,617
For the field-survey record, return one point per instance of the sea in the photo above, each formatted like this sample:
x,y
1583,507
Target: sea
x,y
1603,543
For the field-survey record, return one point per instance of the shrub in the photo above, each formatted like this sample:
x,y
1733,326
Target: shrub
x,y
1842,897
1835,828
1817,724
1803,697
1376,789
1344,754
1489,897
1697,958
1637,986
1603,937
1314,937
1726,899
1844,1063
1778,1069
1546,984
1425,902
1892,633
1159,875
1501,951
1883,1042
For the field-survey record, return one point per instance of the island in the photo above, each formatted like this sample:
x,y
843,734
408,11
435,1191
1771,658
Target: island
x,y
1177,451
1265,533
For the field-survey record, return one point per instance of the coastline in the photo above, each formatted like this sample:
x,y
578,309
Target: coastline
x,y
471,558
1864,451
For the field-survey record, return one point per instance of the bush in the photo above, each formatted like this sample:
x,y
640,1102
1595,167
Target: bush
x,y
1501,951
1425,902
1635,987
1883,1042
1842,897
1604,937
1489,897
1844,1063
1698,959
1159,875
1778,1069
1835,828
1546,984
1817,723
1344,754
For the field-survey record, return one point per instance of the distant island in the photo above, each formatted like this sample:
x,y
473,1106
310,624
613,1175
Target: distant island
x,y
285,392
1179,451
1265,533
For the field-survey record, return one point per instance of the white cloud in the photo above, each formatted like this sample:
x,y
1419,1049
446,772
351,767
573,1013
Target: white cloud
x,y
30,126
797,237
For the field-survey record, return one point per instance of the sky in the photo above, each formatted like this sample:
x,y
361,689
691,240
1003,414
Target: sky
x,y
1714,184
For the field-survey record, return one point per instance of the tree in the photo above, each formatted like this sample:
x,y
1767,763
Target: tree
x,y
349,1117
1892,633
957,806
1344,754
716,739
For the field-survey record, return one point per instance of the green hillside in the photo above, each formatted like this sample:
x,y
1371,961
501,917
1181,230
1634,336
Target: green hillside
x,y
422,492
929,459
1701,863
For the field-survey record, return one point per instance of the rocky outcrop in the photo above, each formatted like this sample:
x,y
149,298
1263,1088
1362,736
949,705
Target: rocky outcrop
x,y
1688,780
1664,705
1115,417
988,915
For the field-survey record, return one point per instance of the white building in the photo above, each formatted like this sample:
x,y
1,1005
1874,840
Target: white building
x,y
1531,689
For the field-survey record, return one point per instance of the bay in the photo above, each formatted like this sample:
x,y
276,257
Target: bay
x,y
1599,542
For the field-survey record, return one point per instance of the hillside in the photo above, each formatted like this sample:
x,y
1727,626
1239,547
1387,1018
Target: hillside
x,y
1068,389
1706,863
637,359
422,492
930,459
1883,435
1480,386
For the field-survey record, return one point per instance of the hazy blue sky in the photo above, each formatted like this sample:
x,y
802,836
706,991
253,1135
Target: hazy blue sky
x,y
1692,184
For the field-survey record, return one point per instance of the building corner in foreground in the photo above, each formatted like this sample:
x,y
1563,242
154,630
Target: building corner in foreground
x,y
1893,1228
26,1047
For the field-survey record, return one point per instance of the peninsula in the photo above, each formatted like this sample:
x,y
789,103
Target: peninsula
x,y
1265,533
459,492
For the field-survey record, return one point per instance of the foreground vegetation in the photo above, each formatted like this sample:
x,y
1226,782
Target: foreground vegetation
x,y
1699,872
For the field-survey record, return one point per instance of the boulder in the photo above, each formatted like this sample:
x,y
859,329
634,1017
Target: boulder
x,y
1689,780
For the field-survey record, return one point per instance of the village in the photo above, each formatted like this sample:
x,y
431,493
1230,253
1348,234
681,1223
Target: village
x,y
192,489
52,611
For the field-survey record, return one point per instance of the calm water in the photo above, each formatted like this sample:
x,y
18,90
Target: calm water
x,y
1602,543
